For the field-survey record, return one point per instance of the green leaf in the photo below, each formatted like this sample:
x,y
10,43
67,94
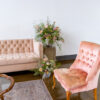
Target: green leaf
x,y
36,73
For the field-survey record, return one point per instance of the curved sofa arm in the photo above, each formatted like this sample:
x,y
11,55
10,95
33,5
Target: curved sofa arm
x,y
38,49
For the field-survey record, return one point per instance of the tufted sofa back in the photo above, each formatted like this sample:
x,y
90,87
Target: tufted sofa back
x,y
88,56
16,46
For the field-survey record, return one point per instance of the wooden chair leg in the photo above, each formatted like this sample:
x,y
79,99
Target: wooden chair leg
x,y
68,95
54,83
2,98
79,94
95,94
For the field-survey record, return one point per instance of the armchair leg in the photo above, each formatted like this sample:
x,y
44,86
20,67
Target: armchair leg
x,y
79,94
54,83
2,98
95,94
68,95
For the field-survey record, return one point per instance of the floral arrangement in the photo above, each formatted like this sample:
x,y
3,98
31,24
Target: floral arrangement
x,y
48,34
46,67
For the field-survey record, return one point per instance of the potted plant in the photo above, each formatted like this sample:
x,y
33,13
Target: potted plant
x,y
50,35
46,68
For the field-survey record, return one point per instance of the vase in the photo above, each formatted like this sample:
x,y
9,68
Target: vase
x,y
50,52
45,75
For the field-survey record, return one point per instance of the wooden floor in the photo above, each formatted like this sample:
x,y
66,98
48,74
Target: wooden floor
x,y
58,93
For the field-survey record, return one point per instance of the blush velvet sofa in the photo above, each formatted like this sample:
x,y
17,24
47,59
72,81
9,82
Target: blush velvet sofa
x,y
20,54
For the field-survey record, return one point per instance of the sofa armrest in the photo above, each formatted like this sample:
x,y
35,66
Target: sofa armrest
x,y
38,49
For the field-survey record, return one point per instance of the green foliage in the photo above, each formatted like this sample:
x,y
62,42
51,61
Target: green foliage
x,y
48,34
46,67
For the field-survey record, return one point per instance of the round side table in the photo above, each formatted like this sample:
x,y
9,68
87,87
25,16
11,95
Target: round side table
x,y
6,84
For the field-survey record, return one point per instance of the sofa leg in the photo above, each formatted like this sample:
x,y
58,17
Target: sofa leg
x,y
54,83
95,94
68,95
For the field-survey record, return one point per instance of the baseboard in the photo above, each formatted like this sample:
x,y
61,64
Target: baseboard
x,y
66,57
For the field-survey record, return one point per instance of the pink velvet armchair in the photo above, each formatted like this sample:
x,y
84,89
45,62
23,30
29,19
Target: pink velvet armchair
x,y
84,72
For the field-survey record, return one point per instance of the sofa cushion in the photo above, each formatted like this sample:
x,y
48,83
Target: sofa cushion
x,y
18,58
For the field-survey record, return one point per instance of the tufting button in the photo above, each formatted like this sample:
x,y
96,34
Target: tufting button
x,y
20,45
8,45
17,41
91,60
28,41
11,49
87,64
17,49
82,51
90,66
11,41
91,54
23,49
22,41
26,45
83,61
14,45
78,60
2,46
29,49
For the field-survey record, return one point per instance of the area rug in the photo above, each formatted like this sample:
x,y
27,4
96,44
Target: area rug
x,y
29,90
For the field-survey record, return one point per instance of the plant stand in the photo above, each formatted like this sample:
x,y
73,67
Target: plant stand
x,y
50,52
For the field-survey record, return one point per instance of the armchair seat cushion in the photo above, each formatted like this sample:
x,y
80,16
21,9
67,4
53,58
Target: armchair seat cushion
x,y
18,58
71,78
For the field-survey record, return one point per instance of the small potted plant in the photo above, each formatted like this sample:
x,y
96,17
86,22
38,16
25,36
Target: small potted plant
x,y
46,68
50,35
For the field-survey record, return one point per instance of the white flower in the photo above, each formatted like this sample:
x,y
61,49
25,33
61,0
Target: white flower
x,y
46,26
45,59
48,63
40,69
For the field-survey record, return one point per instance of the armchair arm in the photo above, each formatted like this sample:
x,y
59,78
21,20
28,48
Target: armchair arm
x,y
93,73
38,48
95,69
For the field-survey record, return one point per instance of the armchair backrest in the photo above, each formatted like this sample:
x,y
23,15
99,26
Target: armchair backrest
x,y
88,58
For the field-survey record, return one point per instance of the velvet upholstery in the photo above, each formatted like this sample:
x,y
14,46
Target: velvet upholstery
x,y
16,46
19,58
20,51
85,69
71,78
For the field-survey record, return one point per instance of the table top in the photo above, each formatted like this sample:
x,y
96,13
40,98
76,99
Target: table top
x,y
6,83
